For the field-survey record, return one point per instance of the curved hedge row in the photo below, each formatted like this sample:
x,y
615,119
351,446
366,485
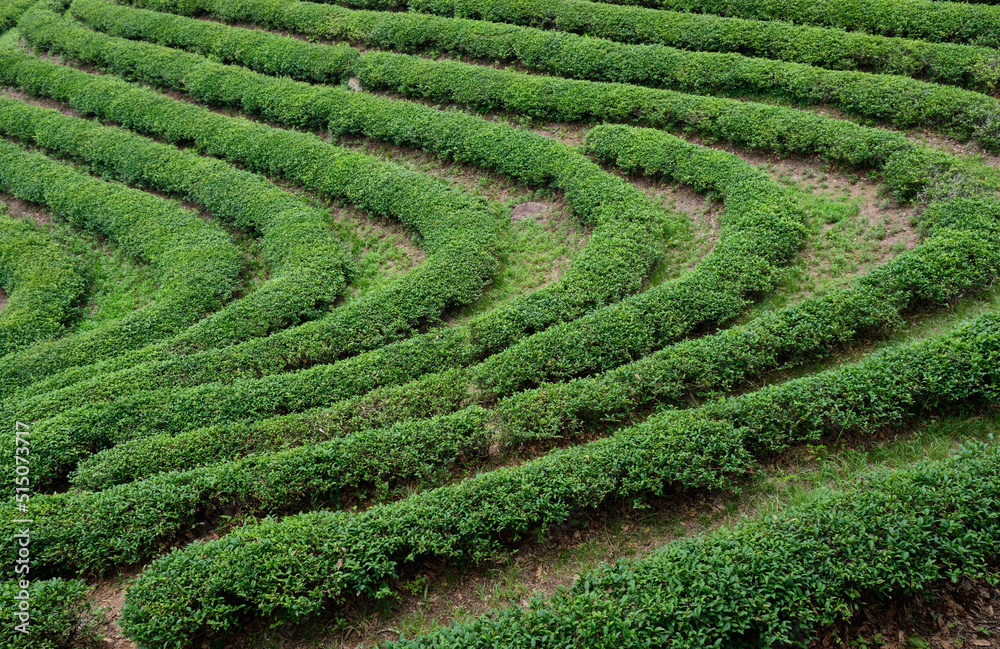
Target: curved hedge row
x,y
11,12
956,259
62,440
58,617
429,396
960,257
977,68
311,267
910,170
615,261
761,230
902,101
126,524
295,566
457,231
42,284
773,580
931,20
197,267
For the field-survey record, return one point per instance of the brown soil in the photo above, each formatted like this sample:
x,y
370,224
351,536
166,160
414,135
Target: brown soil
x,y
963,615
23,209
107,599
3,299
24,97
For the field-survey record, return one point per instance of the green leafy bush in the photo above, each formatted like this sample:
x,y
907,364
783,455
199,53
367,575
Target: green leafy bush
x,y
457,232
61,616
969,66
772,580
295,566
196,265
901,101
930,20
311,266
42,283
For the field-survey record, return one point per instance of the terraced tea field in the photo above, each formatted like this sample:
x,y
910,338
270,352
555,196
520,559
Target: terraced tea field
x,y
440,323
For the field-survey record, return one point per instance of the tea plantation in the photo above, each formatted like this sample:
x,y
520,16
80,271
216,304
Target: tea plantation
x,y
314,314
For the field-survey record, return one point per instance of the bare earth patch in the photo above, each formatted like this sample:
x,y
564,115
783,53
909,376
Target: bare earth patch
x,y
964,615
23,209
107,599
3,299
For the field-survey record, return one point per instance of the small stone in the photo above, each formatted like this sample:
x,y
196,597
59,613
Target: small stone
x,y
354,84
527,210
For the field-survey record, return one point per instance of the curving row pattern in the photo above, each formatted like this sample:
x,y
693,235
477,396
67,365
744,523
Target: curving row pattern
x,y
343,428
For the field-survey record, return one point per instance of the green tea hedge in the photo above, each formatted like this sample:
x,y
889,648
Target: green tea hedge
x,y
930,20
289,568
311,266
901,101
457,231
126,524
961,256
196,265
60,615
761,230
42,283
772,580
429,396
969,66
619,253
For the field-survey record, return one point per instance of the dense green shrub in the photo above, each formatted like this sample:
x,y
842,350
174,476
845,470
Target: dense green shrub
x,y
60,441
911,171
930,20
773,580
961,256
456,230
11,12
973,67
901,101
619,253
42,283
88,531
60,615
295,566
196,265
761,230
429,396
310,265
950,264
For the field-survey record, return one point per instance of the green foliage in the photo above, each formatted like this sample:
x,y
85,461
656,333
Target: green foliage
x,y
772,580
311,266
429,396
196,265
41,281
760,231
88,531
294,566
969,66
960,256
613,264
11,12
930,20
61,616
457,231
900,101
